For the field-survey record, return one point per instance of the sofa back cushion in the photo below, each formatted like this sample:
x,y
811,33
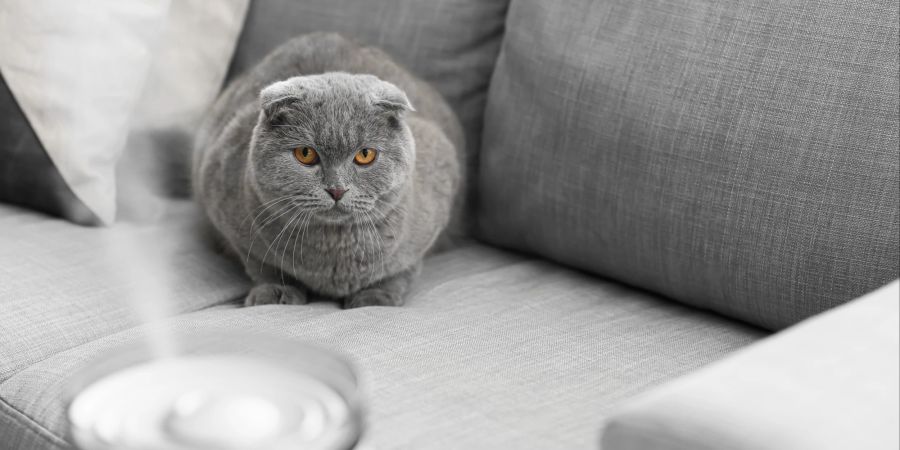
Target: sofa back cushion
x,y
740,156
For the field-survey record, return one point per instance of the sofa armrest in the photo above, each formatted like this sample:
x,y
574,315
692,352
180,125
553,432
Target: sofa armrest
x,y
830,382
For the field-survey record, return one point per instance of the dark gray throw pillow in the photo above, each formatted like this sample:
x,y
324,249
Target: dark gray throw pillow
x,y
28,176
452,44
740,156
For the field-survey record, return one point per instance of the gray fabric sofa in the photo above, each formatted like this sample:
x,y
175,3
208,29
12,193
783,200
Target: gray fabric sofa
x,y
683,216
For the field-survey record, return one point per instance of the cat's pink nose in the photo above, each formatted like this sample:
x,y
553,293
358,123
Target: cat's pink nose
x,y
336,193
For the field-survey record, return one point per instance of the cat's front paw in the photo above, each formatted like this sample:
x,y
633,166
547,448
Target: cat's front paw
x,y
373,297
275,294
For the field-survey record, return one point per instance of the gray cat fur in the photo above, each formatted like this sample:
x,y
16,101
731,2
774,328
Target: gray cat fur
x,y
336,96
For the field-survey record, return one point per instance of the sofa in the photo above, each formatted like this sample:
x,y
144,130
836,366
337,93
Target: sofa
x,y
684,234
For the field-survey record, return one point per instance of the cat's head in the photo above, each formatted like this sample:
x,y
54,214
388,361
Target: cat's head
x,y
337,143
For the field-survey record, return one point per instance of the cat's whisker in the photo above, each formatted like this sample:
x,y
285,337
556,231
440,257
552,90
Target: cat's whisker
x,y
377,256
262,208
377,237
362,240
303,223
275,215
386,218
269,215
385,213
277,237
301,229
364,235
288,242
280,213
375,246
396,212
272,203
275,241
288,226
384,250
303,237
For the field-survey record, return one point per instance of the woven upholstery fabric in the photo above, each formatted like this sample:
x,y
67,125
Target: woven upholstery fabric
x,y
493,350
829,383
20,431
740,156
65,285
452,44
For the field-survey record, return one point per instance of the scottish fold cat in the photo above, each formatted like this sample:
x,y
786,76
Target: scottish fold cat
x,y
330,171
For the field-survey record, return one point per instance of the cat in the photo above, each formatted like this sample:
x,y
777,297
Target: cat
x,y
330,171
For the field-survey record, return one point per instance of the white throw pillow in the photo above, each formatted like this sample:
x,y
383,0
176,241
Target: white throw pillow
x,y
90,73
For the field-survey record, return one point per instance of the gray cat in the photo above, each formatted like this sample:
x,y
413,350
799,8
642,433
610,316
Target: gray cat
x,y
317,171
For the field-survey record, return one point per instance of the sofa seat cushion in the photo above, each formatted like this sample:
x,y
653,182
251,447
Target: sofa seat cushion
x,y
63,285
493,350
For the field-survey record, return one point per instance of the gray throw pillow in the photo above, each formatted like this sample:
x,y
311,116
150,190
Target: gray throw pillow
x,y
740,156
452,44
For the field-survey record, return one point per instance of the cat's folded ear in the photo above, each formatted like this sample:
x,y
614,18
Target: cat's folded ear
x,y
391,98
275,96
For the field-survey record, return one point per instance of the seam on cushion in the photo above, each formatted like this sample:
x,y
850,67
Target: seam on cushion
x,y
33,363
528,258
19,417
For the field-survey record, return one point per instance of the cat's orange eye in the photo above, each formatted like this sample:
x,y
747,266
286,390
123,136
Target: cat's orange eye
x,y
306,155
365,156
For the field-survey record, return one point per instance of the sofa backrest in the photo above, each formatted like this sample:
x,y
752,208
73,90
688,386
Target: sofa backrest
x,y
739,155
